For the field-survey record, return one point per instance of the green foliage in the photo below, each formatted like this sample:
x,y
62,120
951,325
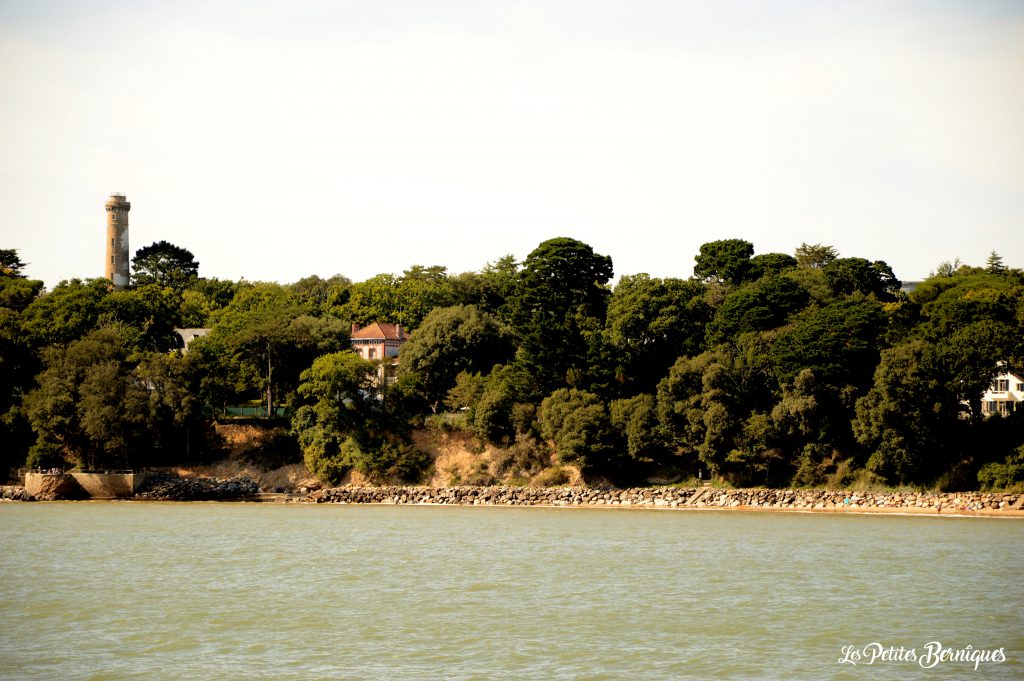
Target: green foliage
x,y
908,420
490,289
19,364
846,276
147,314
771,263
391,460
467,391
969,359
525,458
452,340
95,408
165,265
635,421
10,263
16,293
724,262
492,415
706,405
559,311
218,291
53,407
315,293
759,306
812,466
766,368
404,300
67,313
814,256
338,385
650,323
264,338
946,268
1007,474
577,423
838,342
948,303
555,476
994,264
343,427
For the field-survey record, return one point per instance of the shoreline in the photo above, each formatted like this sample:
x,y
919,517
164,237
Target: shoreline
x,y
948,504
928,504
1009,515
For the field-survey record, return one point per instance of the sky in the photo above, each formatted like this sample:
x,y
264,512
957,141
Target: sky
x,y
277,140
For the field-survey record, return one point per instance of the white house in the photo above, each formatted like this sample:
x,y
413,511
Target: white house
x,y
1005,395
189,335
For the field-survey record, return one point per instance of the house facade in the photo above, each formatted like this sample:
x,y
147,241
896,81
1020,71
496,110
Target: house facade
x,y
1005,395
379,340
376,341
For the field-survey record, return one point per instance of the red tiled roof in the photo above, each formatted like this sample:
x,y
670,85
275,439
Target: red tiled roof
x,y
381,330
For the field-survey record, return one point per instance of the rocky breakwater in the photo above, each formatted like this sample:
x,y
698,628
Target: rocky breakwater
x,y
935,502
198,489
15,493
672,497
503,496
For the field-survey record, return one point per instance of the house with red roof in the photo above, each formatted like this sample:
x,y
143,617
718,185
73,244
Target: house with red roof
x,y
380,341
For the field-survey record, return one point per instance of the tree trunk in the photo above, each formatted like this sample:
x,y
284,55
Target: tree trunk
x,y
270,384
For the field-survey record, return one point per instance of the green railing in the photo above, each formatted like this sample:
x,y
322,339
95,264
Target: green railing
x,y
245,412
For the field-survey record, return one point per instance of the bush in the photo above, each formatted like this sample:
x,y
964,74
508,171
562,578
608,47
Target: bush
x,y
45,454
330,462
492,416
1004,475
812,466
391,460
551,477
524,459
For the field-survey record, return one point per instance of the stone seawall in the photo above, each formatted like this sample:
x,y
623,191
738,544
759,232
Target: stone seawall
x,y
83,485
982,503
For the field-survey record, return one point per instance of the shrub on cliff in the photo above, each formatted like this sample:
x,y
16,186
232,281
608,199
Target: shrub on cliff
x,y
1009,473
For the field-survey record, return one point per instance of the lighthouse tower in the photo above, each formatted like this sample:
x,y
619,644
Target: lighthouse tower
x,y
116,264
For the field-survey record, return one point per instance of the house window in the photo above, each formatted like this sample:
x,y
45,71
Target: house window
x,y
1001,385
371,353
1004,407
1020,387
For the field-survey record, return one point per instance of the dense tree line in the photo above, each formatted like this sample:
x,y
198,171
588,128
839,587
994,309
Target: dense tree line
x,y
803,369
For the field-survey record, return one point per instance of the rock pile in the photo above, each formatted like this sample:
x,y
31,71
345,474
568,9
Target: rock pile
x,y
198,489
670,497
503,496
15,493
822,499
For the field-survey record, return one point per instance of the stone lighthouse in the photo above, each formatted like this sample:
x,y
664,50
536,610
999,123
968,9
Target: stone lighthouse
x,y
116,264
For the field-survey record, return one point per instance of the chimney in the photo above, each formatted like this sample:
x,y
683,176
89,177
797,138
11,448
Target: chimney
x,y
355,327
398,330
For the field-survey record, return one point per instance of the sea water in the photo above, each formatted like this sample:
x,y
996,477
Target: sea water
x,y
109,590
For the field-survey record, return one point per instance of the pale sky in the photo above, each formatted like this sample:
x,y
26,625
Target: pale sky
x,y
281,139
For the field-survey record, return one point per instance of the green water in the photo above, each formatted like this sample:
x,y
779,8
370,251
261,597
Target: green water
x,y
251,591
